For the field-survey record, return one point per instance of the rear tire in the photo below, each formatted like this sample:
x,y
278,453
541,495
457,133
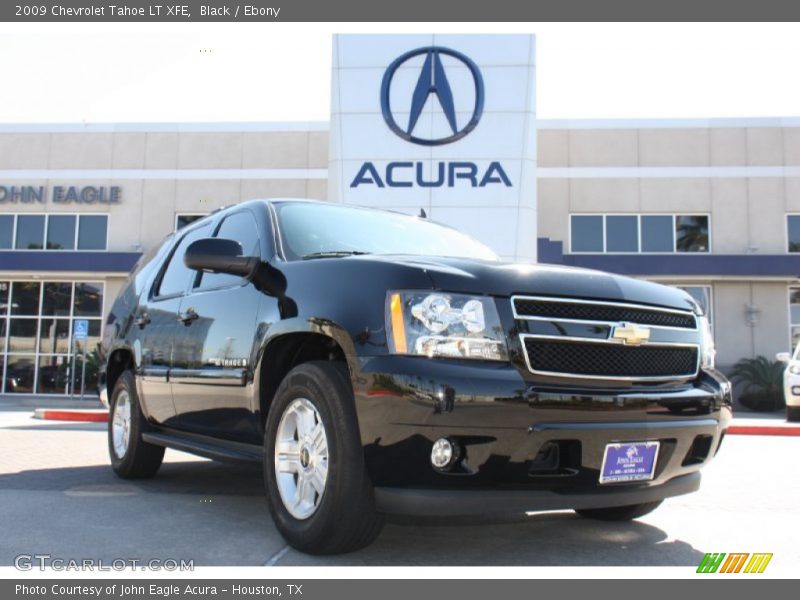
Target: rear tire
x,y
619,513
793,414
317,486
131,456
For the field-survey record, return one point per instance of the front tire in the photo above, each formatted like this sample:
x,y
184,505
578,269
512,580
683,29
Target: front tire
x,y
619,513
317,486
793,414
131,456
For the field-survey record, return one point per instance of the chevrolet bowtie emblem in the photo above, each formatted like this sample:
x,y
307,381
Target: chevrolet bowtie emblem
x,y
631,334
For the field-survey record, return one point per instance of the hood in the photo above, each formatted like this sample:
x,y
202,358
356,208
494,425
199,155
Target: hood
x,y
506,279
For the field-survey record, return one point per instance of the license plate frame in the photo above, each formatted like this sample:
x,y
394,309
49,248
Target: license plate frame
x,y
632,462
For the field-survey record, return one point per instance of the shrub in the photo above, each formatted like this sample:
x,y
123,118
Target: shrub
x,y
763,383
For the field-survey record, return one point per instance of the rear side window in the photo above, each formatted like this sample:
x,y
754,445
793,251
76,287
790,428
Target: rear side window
x,y
176,276
241,227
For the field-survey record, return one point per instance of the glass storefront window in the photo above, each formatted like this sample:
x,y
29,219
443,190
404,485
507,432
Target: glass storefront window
x,y
36,323
6,232
4,289
639,233
30,232
793,233
61,232
4,285
57,299
20,374
91,374
53,375
54,336
657,233
691,233
53,232
622,233
92,232
88,299
22,335
794,314
586,233
25,298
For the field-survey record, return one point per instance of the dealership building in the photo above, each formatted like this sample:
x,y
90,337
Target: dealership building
x,y
444,124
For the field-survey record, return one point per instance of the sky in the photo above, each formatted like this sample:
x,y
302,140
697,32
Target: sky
x,y
251,72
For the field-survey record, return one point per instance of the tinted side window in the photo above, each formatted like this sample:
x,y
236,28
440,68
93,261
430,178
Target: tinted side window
x,y
176,276
242,228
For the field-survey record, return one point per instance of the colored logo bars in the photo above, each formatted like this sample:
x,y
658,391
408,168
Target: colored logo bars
x,y
737,562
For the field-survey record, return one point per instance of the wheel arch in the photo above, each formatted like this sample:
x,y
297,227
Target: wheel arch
x,y
119,360
288,349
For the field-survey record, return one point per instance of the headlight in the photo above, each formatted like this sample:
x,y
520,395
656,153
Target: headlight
x,y
450,325
708,358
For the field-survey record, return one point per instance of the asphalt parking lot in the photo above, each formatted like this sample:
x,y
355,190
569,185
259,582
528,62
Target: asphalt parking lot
x,y
59,497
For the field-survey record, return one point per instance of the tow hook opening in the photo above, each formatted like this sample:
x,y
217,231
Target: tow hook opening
x,y
699,451
560,458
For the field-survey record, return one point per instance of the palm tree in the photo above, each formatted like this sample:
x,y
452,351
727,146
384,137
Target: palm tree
x,y
763,382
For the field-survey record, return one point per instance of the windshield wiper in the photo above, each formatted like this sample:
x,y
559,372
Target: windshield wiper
x,y
333,253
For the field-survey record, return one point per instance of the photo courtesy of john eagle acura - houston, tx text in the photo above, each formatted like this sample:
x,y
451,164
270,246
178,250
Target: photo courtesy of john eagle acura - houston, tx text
x,y
380,363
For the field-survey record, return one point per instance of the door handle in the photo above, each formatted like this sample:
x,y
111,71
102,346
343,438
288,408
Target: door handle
x,y
142,320
187,317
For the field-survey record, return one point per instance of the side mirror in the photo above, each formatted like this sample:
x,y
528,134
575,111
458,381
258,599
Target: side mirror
x,y
783,357
218,255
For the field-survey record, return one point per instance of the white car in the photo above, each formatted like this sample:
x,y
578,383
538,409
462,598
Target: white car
x,y
791,383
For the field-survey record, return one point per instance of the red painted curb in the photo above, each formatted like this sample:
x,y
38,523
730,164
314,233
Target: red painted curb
x,y
764,430
71,415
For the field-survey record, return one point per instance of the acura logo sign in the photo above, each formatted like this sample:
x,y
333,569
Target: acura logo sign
x,y
432,85
432,81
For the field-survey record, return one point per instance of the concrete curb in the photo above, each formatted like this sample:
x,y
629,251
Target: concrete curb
x,y
788,430
83,415
17,401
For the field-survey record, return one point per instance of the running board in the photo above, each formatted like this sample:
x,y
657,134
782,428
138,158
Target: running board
x,y
202,445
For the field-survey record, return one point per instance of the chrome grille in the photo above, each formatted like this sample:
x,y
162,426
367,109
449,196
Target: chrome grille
x,y
585,310
563,337
610,361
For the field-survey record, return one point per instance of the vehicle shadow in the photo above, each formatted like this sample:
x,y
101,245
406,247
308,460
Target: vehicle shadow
x,y
204,477
545,539
223,507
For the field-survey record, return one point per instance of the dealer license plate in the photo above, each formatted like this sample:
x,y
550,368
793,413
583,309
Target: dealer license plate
x,y
629,461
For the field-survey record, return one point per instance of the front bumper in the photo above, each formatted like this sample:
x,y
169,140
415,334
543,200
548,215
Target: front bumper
x,y
791,389
510,429
490,503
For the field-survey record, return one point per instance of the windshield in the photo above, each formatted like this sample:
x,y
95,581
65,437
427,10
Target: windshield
x,y
318,230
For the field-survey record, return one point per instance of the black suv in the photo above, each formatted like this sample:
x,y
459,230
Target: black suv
x,y
379,363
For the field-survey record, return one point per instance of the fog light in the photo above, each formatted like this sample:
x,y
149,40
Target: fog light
x,y
443,453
